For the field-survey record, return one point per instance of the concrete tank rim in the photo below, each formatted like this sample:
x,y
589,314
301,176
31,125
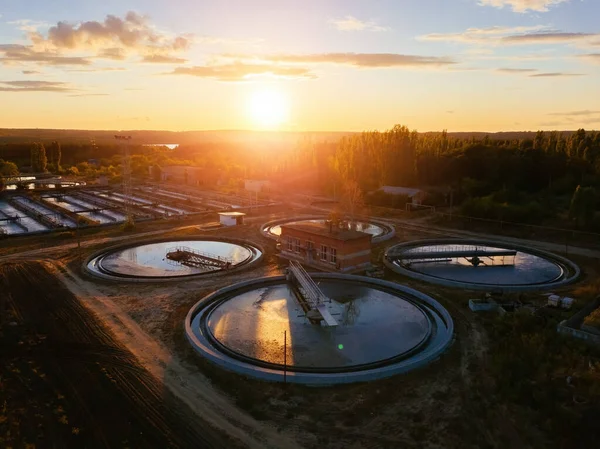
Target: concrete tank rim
x,y
222,347
572,274
144,241
388,226
320,379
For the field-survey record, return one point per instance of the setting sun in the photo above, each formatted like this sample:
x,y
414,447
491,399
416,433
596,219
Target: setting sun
x,y
268,108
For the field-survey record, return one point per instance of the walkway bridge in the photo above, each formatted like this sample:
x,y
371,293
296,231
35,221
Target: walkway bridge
x,y
448,252
198,259
311,298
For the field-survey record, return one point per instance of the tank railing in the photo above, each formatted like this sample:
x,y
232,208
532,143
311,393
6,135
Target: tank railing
x,y
199,257
313,293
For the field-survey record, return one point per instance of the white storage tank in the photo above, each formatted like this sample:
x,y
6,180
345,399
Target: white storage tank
x,y
553,300
231,218
567,303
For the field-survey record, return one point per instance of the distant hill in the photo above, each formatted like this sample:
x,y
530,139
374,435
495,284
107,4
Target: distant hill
x,y
200,137
163,137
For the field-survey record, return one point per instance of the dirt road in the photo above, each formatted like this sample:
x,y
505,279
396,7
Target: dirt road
x,y
184,381
65,381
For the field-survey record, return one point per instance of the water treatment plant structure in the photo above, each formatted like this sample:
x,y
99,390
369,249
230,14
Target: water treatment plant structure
x,y
479,264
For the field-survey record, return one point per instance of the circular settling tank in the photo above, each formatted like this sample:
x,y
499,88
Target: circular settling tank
x,y
382,329
480,264
172,259
379,231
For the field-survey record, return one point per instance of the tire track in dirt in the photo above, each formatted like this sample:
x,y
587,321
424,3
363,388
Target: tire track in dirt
x,y
113,399
187,384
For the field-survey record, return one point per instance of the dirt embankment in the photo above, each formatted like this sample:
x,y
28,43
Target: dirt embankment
x,y
66,382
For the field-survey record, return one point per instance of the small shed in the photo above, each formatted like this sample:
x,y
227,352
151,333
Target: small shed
x,y
231,218
416,196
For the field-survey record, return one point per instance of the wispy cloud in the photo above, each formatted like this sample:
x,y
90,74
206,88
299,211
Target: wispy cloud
x,y
114,53
591,57
503,36
98,69
163,59
34,86
583,113
88,95
481,35
350,23
238,67
30,72
535,73
242,72
548,38
515,71
556,75
363,60
11,53
523,5
28,25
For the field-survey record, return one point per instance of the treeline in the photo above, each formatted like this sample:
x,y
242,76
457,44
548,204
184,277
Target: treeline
x,y
524,180
405,158
532,179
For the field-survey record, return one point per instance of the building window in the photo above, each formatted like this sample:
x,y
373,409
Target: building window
x,y
333,256
297,246
290,246
324,253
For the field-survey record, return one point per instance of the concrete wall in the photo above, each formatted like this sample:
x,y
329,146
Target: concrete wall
x,y
202,345
482,306
577,333
570,326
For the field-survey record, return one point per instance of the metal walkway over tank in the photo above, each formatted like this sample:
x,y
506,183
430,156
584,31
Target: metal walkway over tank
x,y
448,252
312,298
194,258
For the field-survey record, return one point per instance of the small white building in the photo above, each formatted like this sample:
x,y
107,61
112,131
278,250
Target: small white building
x,y
231,218
416,196
254,185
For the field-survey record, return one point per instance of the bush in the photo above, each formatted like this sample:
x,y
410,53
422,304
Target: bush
x,y
486,207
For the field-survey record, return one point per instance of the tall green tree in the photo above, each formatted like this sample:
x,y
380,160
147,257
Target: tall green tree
x,y
583,206
39,161
34,155
8,168
55,154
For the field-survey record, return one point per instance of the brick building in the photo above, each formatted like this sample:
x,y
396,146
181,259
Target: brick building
x,y
325,247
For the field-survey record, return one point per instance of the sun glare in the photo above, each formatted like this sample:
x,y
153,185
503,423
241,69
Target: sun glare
x,y
268,108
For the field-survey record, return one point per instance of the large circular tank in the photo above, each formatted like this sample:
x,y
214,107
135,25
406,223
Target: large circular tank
x,y
480,264
382,329
172,259
379,230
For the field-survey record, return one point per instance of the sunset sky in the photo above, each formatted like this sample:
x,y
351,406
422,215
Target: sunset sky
x,y
336,65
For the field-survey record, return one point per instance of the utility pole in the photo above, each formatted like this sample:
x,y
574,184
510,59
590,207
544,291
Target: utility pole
x,y
126,181
285,357
78,240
